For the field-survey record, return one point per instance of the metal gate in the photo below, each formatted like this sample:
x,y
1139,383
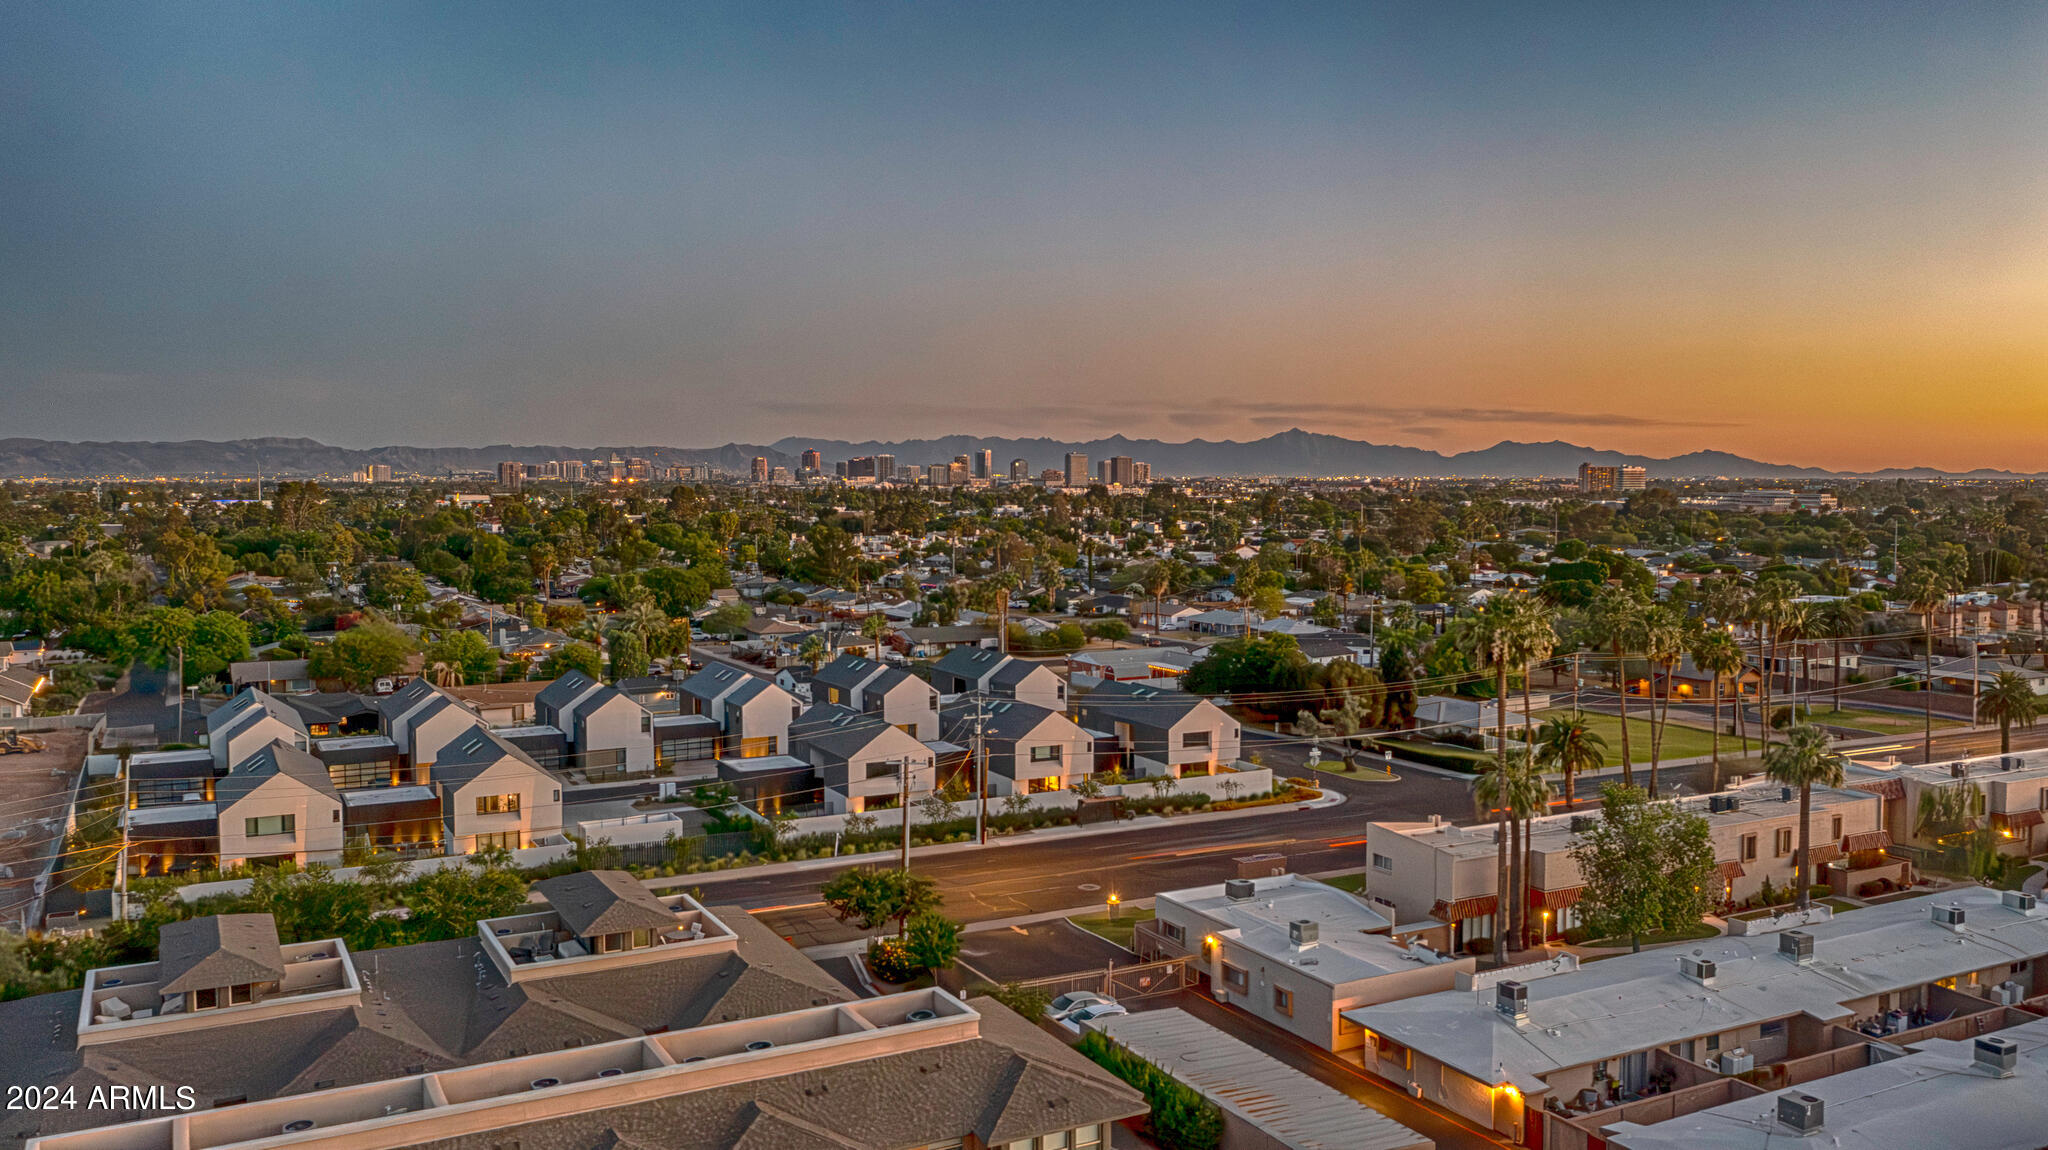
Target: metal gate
x,y
1139,980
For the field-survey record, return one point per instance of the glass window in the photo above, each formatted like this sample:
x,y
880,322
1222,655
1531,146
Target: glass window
x,y
1283,1001
1236,979
1382,862
1195,739
270,825
1088,1138
1059,1141
238,994
1174,931
882,770
497,804
1046,754
352,776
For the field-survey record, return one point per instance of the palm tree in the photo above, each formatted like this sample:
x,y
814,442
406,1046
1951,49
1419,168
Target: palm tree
x,y
1535,637
1925,588
1565,743
445,674
812,652
1663,642
1528,796
1616,619
1492,788
1804,760
1837,620
2006,700
1716,653
1767,604
1160,581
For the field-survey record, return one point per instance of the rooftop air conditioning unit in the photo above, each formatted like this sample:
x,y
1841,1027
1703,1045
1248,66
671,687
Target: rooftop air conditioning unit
x,y
1737,1061
2009,993
1302,932
2018,900
1802,1112
1700,970
1950,916
1998,1055
1511,999
1796,945
1239,889
1784,794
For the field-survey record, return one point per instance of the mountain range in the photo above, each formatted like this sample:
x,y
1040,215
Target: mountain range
x,y
1288,453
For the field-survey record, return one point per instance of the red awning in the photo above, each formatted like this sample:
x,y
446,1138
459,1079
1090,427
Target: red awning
x,y
2021,820
1729,871
1884,788
1462,908
1826,853
1554,899
1867,841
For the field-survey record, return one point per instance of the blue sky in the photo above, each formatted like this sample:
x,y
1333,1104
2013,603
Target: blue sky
x,y
1789,230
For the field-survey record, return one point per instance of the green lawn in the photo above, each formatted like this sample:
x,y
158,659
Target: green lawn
x,y
1679,742
1658,938
1118,931
1881,722
1355,883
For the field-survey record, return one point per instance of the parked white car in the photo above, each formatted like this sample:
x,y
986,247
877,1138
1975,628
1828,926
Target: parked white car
x,y
1074,1021
1072,1001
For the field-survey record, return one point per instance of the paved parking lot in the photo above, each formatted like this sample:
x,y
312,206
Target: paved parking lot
x,y
1041,950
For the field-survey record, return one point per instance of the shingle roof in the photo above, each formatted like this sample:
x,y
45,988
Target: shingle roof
x,y
218,950
593,902
473,752
265,765
565,690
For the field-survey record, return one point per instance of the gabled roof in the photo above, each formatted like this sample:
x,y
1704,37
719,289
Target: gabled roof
x,y
244,708
405,699
268,763
473,752
970,662
595,902
1141,705
848,671
218,950
16,688
714,680
1003,719
1013,672
565,690
840,732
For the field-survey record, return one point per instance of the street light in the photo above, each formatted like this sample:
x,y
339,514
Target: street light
x,y
1114,903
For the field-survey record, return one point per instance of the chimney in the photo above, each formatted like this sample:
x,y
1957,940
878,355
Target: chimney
x,y
1796,945
1802,1112
1239,889
1511,999
1999,1056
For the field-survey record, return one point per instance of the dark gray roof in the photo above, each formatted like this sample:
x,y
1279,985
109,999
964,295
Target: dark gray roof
x,y
473,752
1014,672
265,765
848,671
244,707
714,680
1001,719
1012,1082
564,691
426,1007
218,950
1145,706
592,902
839,731
970,663
405,698
329,707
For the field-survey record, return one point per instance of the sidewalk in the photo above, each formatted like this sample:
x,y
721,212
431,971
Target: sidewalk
x,y
1330,798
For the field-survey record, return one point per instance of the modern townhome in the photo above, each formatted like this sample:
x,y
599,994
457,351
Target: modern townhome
x,y
302,1020
979,670
751,714
493,795
1031,749
1443,875
1936,805
247,723
277,676
863,762
1155,732
876,688
1528,1051
276,806
420,718
606,730
1295,952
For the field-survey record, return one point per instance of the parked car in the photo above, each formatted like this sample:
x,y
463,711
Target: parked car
x,y
1072,1001
1073,1022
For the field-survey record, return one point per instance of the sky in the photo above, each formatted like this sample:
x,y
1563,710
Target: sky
x,y
1810,233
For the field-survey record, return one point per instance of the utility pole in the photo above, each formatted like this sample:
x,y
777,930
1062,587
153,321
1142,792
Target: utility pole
x,y
903,773
179,684
981,770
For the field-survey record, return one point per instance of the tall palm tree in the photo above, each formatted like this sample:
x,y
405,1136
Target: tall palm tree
x,y
1837,620
1715,653
1567,745
1925,588
1528,796
1766,605
1795,623
1804,760
1492,789
1615,618
1160,581
1535,638
2009,698
1663,642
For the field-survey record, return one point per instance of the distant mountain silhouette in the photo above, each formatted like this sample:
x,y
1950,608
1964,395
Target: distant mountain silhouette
x,y
1288,453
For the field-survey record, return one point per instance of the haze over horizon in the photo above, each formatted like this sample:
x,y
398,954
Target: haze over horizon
x,y
1816,236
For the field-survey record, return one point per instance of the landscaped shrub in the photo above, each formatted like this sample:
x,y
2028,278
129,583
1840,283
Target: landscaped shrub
x,y
1181,1118
889,960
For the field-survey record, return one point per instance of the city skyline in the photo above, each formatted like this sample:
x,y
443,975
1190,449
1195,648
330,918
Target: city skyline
x,y
1789,235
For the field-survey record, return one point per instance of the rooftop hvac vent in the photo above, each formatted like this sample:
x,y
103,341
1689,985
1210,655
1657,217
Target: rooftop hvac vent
x,y
1802,1112
1796,945
1998,1055
1784,794
1239,889
1950,916
2018,900
760,1044
923,1015
1303,932
296,1126
1511,999
1700,970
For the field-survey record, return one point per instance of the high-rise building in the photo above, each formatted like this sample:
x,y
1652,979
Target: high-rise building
x,y
571,469
760,469
1020,470
937,474
984,464
885,468
511,474
1117,472
1597,477
813,462
1052,477
1141,473
380,473
1077,469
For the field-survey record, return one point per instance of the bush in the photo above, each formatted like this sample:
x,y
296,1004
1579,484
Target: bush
x,y
1029,1001
1181,1118
889,960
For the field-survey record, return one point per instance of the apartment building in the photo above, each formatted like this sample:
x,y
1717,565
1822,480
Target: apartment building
x,y
1294,952
1153,732
1499,1053
1434,872
984,671
1937,805
1596,478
